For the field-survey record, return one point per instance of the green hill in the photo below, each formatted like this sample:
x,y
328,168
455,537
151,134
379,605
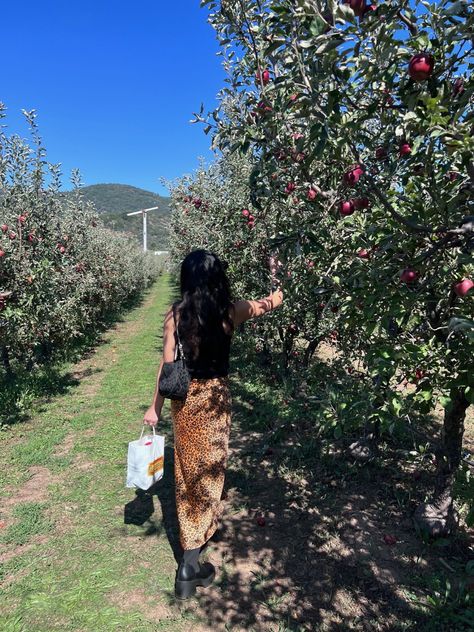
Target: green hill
x,y
114,201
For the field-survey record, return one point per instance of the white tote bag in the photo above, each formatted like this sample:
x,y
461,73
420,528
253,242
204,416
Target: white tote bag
x,y
145,460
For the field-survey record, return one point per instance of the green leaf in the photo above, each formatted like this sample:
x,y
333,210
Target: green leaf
x,y
445,401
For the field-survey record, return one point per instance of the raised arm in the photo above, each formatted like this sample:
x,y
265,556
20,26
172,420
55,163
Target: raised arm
x,y
244,310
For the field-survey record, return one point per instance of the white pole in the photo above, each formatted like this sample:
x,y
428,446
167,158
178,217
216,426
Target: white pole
x,y
144,212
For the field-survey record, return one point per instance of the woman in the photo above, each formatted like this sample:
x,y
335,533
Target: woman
x,y
206,319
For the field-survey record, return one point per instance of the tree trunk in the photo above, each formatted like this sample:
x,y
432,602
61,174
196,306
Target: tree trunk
x,y
438,517
6,361
309,351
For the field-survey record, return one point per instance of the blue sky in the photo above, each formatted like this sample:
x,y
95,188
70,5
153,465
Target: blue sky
x,y
114,84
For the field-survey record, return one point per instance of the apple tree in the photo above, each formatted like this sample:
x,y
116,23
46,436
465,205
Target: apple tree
x,y
357,119
63,275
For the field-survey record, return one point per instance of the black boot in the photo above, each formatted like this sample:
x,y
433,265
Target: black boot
x,y
187,579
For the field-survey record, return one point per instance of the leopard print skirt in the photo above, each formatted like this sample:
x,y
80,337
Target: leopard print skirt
x,y
201,426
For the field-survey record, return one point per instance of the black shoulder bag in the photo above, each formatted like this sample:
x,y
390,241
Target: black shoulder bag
x,y
174,377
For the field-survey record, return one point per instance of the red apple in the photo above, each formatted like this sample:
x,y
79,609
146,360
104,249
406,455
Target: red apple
x,y
461,288
290,187
358,6
419,374
421,66
353,175
363,253
197,202
310,264
453,175
347,207
22,219
388,99
251,223
61,249
409,275
311,194
31,237
12,235
458,86
361,202
293,97
2,253
405,149
263,107
261,521
265,76
4,228
389,539
245,212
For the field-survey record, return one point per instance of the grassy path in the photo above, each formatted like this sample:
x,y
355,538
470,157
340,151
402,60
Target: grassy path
x,y
319,561
69,561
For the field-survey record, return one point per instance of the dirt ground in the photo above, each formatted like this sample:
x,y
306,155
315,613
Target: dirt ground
x,y
337,550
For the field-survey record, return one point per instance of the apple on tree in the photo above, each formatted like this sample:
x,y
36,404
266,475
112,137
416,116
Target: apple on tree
x,y
461,288
265,76
358,6
421,66
346,207
409,275
352,176
361,203
405,149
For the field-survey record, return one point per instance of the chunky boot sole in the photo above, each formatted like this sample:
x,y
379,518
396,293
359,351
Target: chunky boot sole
x,y
183,589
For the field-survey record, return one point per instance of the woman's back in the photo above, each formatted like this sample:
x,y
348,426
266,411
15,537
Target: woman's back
x,y
211,358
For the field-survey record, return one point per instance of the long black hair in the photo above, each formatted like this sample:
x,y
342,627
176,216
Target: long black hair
x,y
205,300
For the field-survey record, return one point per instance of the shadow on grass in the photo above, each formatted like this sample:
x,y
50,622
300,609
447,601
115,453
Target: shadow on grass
x,y
165,492
337,549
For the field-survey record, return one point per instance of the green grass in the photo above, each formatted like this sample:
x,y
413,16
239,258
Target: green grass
x,y
79,577
29,521
77,566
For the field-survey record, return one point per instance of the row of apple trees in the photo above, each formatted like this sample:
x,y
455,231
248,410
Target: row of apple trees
x,y
356,125
63,275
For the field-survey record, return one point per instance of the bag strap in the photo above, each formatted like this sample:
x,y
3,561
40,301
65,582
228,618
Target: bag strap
x,y
180,346
143,430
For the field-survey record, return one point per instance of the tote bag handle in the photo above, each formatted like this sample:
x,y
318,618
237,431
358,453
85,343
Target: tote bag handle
x,y
143,429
